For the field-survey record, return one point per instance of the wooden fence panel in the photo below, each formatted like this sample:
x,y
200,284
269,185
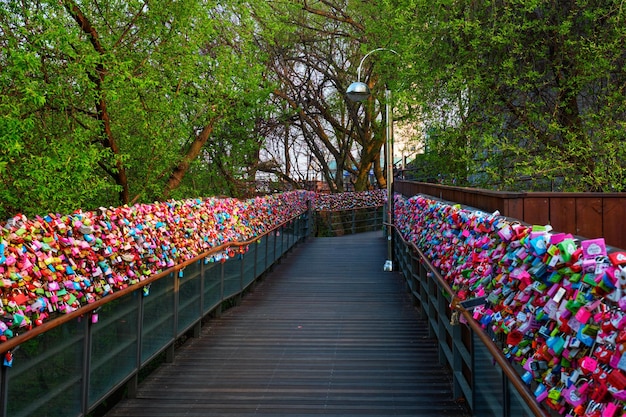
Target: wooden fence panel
x,y
614,226
513,207
536,210
563,214
588,215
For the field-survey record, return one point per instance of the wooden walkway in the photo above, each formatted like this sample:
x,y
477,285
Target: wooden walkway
x,y
327,332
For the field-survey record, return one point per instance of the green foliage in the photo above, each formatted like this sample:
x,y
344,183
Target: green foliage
x,y
524,94
103,112
104,102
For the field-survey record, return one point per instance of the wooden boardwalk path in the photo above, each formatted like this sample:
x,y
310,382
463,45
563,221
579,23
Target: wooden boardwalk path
x,y
327,332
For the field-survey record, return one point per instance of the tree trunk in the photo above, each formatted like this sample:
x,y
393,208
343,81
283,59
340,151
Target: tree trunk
x,y
192,153
107,138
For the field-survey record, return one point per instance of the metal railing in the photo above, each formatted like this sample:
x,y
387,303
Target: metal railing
x,y
464,348
69,365
481,373
351,221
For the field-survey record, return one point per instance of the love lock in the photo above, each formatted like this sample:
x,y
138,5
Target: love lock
x,y
8,359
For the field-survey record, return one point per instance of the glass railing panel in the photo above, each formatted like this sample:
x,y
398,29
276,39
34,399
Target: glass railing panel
x,y
189,295
114,345
248,266
261,260
46,374
158,317
518,408
488,387
299,228
212,286
288,240
279,242
271,249
232,276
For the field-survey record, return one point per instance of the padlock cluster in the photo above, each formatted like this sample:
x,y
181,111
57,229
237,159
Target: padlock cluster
x,y
56,263
555,304
350,201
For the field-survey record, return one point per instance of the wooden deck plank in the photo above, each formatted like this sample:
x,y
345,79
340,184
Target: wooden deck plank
x,y
326,333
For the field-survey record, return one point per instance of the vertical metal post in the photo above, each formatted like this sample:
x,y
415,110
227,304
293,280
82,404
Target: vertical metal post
x,y
197,327
87,343
265,266
169,353
282,240
506,396
274,254
4,390
176,301
254,247
389,155
203,270
241,271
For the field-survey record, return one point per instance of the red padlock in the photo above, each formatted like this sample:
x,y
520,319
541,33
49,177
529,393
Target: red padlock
x,y
617,379
617,258
8,359
599,391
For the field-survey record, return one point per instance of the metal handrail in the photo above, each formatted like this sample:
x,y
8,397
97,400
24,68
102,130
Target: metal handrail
x,y
355,225
86,309
350,209
497,354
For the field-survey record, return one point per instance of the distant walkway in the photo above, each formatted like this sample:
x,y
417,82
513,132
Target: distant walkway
x,y
326,333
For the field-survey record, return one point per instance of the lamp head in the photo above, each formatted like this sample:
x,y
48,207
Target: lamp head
x,y
358,91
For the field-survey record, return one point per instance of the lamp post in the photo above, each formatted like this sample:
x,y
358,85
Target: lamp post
x,y
359,91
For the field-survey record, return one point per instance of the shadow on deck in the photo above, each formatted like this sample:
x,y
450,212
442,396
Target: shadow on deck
x,y
327,332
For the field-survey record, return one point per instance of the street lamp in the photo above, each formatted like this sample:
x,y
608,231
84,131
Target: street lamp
x,y
359,91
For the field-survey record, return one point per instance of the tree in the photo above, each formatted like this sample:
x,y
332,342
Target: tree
x,y
521,95
316,48
108,103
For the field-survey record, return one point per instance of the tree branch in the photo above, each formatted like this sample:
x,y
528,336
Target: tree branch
x,y
108,140
182,168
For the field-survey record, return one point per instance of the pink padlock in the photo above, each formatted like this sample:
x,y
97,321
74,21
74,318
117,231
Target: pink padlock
x,y
619,395
610,410
588,364
576,394
10,260
587,311
583,315
593,248
552,290
615,358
